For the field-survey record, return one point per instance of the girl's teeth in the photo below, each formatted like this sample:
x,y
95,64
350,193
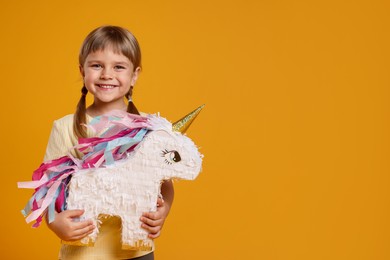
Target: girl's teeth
x,y
106,86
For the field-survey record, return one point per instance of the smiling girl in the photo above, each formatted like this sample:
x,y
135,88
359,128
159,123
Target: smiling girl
x,y
110,63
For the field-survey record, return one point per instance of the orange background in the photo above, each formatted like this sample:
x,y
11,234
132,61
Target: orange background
x,y
295,130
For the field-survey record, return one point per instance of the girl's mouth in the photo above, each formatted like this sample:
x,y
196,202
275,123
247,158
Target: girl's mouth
x,y
106,86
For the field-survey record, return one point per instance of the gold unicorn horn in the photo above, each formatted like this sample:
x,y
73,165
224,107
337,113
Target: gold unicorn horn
x,y
182,124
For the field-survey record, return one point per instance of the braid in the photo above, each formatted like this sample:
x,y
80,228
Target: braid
x,y
80,118
131,108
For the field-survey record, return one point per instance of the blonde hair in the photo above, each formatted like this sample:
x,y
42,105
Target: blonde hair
x,y
122,41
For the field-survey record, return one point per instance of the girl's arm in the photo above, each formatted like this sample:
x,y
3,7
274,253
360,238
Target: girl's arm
x,y
154,221
60,141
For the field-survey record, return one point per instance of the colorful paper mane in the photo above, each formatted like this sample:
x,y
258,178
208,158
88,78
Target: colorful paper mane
x,y
120,173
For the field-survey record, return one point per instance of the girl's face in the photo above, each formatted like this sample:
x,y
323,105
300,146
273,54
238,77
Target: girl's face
x,y
108,76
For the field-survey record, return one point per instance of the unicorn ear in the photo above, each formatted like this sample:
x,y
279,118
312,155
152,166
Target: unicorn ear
x,y
182,124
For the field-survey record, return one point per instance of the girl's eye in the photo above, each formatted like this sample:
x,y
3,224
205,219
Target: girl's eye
x,y
171,156
119,67
96,66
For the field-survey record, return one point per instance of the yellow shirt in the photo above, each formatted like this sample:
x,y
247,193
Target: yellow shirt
x,y
108,243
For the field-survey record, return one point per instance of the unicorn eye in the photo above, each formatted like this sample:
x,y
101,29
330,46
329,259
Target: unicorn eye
x,y
171,156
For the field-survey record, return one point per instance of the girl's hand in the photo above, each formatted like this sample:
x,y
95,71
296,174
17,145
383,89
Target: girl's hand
x,y
154,221
67,229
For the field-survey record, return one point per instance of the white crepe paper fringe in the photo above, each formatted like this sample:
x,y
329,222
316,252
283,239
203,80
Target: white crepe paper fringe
x,y
131,186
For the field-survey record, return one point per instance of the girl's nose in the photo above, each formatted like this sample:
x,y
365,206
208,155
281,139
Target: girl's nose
x,y
106,75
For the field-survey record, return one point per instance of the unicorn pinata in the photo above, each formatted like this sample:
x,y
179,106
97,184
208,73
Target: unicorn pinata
x,y
120,173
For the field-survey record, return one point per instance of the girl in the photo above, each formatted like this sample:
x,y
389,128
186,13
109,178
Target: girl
x,y
109,62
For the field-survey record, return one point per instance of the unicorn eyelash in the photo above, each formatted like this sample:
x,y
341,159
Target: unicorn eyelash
x,y
171,156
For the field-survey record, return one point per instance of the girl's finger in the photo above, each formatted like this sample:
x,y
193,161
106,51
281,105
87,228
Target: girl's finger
x,y
151,230
151,215
81,236
84,231
83,224
160,202
74,213
151,222
156,235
